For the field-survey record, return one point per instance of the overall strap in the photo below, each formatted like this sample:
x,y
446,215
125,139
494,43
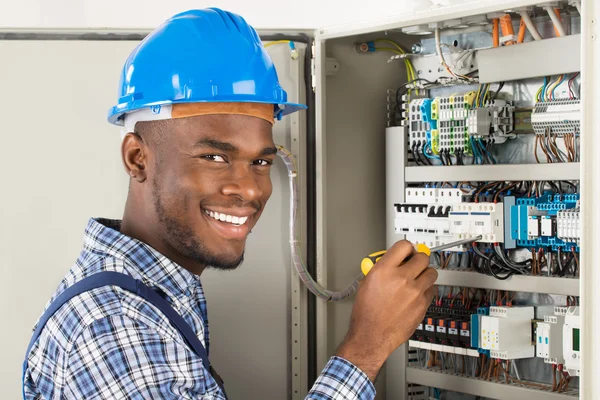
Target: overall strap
x,y
126,282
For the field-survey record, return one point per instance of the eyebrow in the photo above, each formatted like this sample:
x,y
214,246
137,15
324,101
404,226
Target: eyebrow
x,y
216,144
267,151
230,147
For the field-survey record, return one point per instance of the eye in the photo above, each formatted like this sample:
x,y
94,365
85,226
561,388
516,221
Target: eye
x,y
263,162
214,158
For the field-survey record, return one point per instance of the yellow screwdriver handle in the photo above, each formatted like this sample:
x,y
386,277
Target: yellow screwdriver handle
x,y
422,248
368,262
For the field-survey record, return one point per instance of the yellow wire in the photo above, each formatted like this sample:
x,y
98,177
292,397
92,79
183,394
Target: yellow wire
x,y
477,96
392,43
554,86
276,42
538,95
412,75
487,93
410,70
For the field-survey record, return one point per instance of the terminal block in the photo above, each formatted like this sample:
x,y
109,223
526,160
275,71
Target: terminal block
x,y
560,117
419,126
451,133
495,119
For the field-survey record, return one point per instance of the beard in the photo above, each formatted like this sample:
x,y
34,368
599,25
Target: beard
x,y
183,239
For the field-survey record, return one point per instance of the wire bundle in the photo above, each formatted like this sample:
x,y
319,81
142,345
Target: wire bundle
x,y
548,89
411,74
547,143
438,46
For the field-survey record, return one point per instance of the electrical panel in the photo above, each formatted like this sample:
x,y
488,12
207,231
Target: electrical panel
x,y
483,141
526,227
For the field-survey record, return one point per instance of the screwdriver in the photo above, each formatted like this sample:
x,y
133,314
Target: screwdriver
x,y
369,261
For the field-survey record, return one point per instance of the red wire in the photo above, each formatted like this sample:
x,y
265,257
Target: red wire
x,y
571,84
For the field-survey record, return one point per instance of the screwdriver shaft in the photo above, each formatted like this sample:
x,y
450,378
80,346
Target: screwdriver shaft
x,y
456,243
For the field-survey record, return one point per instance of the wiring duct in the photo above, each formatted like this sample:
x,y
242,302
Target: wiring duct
x,y
313,286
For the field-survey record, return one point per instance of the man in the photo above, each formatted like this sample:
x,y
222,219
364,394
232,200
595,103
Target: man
x,y
198,148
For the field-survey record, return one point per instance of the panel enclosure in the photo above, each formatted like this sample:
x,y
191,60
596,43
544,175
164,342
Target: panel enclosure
x,y
346,124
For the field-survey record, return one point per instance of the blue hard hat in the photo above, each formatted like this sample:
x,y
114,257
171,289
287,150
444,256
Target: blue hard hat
x,y
205,55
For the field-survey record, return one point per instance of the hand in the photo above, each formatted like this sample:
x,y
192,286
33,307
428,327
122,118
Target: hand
x,y
390,303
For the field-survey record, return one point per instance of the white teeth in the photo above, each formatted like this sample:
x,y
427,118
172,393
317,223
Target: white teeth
x,y
227,218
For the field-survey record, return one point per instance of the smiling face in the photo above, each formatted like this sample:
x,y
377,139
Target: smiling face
x,y
204,183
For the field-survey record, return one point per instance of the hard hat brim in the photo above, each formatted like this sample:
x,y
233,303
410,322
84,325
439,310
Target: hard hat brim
x,y
116,113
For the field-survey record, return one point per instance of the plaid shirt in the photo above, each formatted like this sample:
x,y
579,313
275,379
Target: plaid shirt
x,y
108,343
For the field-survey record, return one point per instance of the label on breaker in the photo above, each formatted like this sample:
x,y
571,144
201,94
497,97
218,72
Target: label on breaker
x,y
420,327
441,329
453,331
464,332
429,328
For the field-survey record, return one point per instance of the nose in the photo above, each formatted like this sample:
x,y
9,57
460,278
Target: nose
x,y
244,184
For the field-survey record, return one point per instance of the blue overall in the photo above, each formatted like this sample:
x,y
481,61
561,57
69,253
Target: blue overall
x,y
135,286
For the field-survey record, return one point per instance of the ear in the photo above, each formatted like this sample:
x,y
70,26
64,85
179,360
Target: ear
x,y
135,157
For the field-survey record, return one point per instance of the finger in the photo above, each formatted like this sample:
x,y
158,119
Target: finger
x,y
429,293
400,251
427,279
415,267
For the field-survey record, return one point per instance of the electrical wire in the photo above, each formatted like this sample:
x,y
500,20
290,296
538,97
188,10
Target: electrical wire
x,y
530,26
313,286
411,74
443,61
570,84
558,26
277,42
402,90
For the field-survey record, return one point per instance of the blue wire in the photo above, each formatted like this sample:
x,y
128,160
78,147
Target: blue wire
x,y
544,89
492,159
476,154
473,150
428,146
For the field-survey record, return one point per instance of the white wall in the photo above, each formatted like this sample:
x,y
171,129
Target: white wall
x,y
60,165
263,14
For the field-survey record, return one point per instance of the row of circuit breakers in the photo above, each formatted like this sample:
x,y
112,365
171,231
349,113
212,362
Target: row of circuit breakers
x,y
435,216
450,124
505,333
